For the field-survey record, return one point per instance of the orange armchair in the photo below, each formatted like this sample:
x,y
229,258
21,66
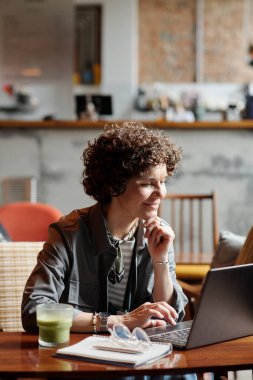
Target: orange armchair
x,y
26,221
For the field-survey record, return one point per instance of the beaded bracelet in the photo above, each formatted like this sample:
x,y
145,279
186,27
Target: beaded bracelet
x,y
94,318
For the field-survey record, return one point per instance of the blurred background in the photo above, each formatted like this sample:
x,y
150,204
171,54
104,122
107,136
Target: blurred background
x,y
170,60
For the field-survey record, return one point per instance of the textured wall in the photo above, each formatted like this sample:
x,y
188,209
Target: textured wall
x,y
213,160
167,40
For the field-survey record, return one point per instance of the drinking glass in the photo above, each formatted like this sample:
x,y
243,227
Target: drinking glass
x,y
54,321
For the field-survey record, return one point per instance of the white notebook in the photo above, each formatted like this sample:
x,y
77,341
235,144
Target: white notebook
x,y
101,349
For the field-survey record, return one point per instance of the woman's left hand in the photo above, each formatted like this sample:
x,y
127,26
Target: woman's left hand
x,y
160,238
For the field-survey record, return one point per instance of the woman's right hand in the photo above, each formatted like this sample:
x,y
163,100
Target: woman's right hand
x,y
162,313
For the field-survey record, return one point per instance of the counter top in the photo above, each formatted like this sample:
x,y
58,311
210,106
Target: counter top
x,y
65,124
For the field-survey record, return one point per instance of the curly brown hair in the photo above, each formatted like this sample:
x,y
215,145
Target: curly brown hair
x,y
124,150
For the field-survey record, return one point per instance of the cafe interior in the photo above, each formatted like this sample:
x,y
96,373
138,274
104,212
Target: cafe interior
x,y
68,67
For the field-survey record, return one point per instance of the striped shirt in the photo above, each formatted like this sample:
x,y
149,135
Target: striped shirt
x,y
116,292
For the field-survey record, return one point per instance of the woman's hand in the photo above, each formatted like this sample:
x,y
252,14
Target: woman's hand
x,y
160,238
141,316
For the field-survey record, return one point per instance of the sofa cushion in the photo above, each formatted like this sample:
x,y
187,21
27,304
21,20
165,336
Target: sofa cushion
x,y
228,249
195,272
246,252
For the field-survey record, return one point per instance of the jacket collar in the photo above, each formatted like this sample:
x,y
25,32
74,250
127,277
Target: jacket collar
x,y
98,230
141,242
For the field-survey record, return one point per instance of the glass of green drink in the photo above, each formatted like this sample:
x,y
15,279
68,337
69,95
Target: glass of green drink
x,y
54,321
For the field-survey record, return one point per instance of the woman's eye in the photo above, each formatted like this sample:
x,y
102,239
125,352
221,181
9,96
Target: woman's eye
x,y
151,184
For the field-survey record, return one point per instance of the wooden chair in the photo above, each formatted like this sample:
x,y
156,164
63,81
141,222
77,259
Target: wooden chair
x,y
19,189
193,217
26,221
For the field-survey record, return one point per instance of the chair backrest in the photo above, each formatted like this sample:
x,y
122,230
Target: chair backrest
x,y
19,189
193,218
17,260
26,221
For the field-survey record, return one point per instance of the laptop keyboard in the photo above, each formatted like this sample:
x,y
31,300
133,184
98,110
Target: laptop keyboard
x,y
176,337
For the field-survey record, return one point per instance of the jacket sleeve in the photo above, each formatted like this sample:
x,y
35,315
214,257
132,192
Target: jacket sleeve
x,y
180,299
46,282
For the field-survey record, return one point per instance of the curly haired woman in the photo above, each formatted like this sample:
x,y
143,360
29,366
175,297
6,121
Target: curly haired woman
x,y
114,261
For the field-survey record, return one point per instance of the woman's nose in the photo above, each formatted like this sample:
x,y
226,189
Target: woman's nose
x,y
161,191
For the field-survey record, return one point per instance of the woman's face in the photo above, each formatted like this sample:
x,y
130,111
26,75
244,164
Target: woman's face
x,y
142,196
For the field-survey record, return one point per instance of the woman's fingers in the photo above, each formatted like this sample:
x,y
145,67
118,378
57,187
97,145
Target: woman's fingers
x,y
155,230
157,235
156,323
162,310
159,311
150,224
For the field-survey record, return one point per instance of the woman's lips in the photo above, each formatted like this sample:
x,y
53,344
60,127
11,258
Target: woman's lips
x,y
152,205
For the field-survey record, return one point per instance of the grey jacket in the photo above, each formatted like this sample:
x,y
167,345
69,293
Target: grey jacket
x,y
74,264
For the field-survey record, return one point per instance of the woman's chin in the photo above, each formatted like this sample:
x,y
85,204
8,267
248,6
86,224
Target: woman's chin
x,y
150,214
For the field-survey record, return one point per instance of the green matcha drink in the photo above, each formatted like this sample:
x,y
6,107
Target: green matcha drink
x,y
54,321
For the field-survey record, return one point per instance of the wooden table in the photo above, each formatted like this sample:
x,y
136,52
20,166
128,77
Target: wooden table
x,y
20,356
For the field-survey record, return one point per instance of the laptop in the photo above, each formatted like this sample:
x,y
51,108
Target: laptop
x,y
224,312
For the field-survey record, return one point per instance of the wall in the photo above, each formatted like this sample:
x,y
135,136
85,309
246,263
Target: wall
x,y
215,159
218,160
36,42
119,66
119,54
167,46
144,41
204,40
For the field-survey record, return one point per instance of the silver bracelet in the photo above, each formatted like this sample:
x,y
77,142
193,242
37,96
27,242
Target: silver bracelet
x,y
154,263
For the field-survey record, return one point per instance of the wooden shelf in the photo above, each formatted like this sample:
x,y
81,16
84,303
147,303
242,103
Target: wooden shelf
x,y
65,124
